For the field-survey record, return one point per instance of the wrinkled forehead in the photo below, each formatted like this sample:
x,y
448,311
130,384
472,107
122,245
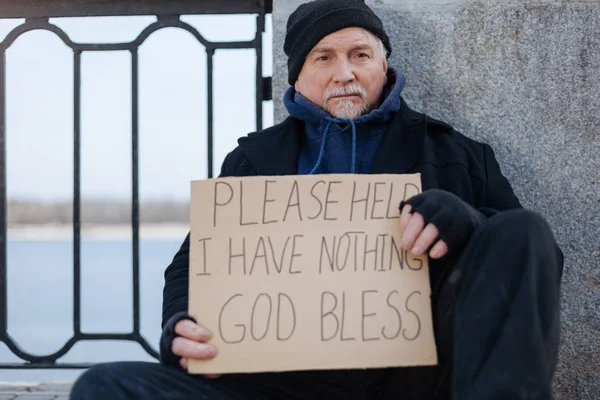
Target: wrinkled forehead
x,y
346,39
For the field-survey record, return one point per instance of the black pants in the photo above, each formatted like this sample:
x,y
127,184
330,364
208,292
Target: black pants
x,y
496,322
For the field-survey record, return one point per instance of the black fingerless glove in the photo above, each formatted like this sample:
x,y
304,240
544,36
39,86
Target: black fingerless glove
x,y
454,219
166,339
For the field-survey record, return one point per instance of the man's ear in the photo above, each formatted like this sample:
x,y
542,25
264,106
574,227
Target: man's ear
x,y
296,86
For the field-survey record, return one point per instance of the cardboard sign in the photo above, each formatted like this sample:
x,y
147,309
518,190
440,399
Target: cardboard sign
x,y
307,272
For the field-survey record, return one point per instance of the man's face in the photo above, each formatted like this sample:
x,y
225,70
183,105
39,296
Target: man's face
x,y
344,73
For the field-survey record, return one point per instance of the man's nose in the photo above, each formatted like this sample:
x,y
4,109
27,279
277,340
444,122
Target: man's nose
x,y
344,73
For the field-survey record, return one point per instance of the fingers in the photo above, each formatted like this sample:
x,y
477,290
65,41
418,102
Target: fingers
x,y
190,344
404,217
439,250
413,229
190,330
187,348
183,363
425,240
417,237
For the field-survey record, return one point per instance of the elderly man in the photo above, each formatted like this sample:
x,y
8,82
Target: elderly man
x,y
495,268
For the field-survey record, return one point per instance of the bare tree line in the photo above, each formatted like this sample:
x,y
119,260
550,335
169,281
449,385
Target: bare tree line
x,y
95,212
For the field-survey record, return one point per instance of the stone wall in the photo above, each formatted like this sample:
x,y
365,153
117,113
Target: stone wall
x,y
523,76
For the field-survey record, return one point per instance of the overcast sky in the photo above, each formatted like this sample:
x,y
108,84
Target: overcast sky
x,y
172,80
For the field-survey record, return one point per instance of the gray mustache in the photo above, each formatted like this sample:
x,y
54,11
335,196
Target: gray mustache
x,y
345,91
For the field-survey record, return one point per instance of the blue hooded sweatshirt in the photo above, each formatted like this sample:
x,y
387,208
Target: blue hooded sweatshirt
x,y
338,145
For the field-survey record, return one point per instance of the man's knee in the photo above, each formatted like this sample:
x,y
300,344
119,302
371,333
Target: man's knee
x,y
507,245
519,226
99,381
522,235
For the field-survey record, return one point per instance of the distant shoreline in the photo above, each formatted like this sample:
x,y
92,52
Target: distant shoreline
x,y
158,231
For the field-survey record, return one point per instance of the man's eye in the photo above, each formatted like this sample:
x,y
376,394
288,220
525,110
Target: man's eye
x,y
362,55
323,58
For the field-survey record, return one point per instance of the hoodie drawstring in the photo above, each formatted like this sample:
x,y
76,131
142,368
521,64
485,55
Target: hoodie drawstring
x,y
353,166
324,141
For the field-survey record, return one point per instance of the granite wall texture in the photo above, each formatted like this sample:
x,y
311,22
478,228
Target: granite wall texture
x,y
523,76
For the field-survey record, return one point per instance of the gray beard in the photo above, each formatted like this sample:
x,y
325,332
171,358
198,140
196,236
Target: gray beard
x,y
346,109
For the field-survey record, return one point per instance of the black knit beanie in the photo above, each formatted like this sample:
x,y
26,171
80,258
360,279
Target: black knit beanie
x,y
312,21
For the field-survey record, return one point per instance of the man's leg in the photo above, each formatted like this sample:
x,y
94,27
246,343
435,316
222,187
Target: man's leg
x,y
506,316
495,316
142,380
148,381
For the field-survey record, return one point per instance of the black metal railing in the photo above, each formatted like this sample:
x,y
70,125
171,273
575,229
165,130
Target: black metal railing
x,y
168,15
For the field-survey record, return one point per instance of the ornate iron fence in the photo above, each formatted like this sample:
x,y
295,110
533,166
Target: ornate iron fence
x,y
37,15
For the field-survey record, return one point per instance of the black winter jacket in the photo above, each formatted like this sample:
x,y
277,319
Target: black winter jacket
x,y
413,143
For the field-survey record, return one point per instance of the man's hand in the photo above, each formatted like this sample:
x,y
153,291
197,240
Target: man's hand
x,y
437,218
191,343
417,237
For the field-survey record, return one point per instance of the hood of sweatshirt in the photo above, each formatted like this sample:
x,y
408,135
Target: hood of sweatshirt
x,y
340,145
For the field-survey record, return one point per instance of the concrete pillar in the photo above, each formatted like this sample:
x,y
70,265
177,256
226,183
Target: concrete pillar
x,y
523,76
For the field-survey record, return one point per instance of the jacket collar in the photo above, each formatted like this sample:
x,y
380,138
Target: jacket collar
x,y
402,145
275,151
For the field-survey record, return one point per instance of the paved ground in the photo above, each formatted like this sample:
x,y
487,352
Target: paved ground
x,y
34,391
